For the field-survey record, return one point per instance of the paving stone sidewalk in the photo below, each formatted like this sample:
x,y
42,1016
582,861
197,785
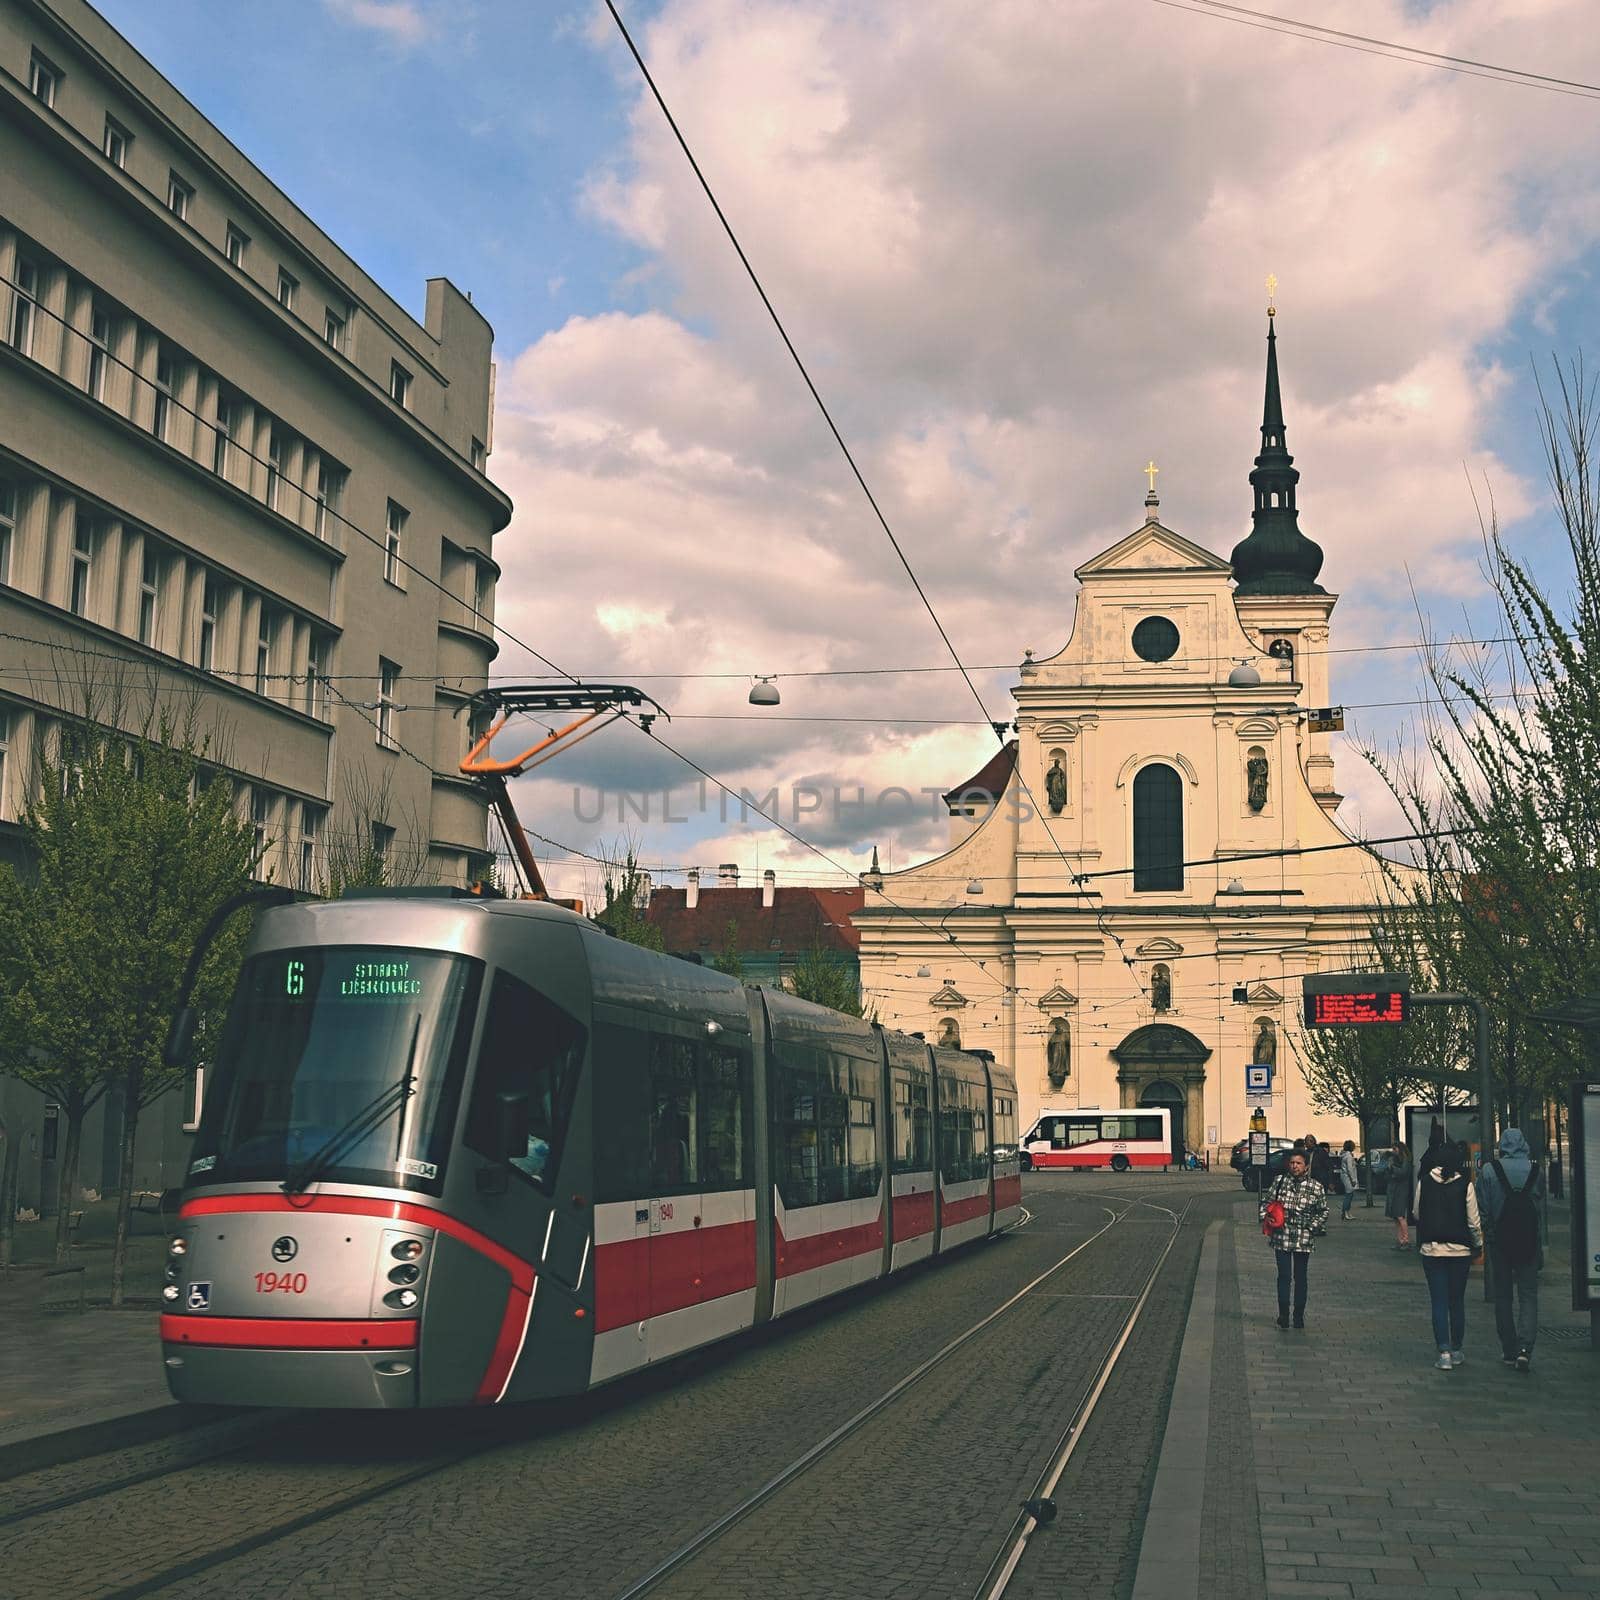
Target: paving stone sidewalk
x,y
1379,1477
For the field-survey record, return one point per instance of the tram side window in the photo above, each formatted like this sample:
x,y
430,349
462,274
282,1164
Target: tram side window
x,y
1005,1121
913,1125
622,1121
674,1111
865,1168
979,1163
795,1113
833,1122
533,1048
956,1130
724,1120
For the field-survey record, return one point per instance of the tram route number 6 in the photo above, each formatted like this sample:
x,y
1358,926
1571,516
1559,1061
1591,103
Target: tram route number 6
x,y
281,1283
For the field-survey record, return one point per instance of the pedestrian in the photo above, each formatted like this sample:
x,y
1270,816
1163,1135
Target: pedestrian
x,y
1397,1198
1348,1176
1322,1166
1303,1204
1445,1210
1511,1198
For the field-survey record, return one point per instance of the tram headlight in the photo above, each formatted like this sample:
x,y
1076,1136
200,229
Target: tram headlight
x,y
400,1299
178,1247
170,1292
406,1272
407,1249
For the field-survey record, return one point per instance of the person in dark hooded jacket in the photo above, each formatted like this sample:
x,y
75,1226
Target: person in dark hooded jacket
x,y
1516,1162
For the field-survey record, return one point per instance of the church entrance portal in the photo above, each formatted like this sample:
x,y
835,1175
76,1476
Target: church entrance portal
x,y
1164,1065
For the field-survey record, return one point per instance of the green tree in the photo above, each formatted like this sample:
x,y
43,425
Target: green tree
x,y
825,978
131,856
627,889
730,961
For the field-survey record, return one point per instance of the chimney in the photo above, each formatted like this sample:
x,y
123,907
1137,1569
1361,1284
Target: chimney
x,y
692,895
769,887
728,875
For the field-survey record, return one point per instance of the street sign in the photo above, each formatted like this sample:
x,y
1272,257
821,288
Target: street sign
x,y
1356,999
1258,1080
1584,1128
1258,1149
1326,719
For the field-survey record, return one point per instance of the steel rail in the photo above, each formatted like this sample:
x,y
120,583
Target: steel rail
x,y
1004,1566
715,1530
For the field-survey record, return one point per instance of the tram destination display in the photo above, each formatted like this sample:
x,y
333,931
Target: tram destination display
x,y
1357,999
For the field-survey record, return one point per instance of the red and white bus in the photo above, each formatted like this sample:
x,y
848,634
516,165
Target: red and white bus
x,y
1122,1139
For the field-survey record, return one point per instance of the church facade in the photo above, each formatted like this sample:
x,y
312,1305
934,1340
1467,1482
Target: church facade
x,y
1126,909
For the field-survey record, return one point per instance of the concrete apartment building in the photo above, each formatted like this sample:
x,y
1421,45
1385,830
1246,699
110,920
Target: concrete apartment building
x,y
233,471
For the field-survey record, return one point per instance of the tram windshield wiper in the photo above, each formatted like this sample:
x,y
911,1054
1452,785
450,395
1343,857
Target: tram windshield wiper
x,y
359,1124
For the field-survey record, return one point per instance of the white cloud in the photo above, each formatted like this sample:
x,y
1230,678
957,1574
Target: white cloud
x,y
1021,249
399,21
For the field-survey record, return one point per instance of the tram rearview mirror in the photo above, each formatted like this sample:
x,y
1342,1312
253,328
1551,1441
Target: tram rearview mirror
x,y
179,1037
512,1124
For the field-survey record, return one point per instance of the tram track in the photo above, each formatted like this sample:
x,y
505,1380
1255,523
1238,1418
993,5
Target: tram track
x,y
705,1541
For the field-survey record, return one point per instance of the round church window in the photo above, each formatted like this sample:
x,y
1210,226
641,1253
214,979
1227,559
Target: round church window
x,y
1155,639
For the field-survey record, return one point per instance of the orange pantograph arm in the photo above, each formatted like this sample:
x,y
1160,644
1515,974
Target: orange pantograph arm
x,y
478,763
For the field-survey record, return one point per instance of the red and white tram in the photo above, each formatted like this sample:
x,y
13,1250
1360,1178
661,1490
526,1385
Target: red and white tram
x,y
458,1150
1139,1136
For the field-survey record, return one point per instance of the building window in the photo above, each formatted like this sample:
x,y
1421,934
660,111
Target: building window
x,y
8,526
330,492
227,419
210,604
149,587
44,78
315,682
25,277
179,194
82,562
1158,829
394,526
333,329
166,381
480,456
481,582
274,467
399,384
99,350
116,142
310,827
260,817
382,838
237,243
264,621
1155,639
287,284
388,688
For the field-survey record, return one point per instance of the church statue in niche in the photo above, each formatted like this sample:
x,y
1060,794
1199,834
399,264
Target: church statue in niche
x,y
949,1034
1055,785
1264,1052
1058,1052
1161,986
1255,771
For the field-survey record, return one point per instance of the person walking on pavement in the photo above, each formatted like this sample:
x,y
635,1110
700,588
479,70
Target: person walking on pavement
x,y
1511,1199
1322,1166
1445,1210
1348,1176
1302,1203
1397,1198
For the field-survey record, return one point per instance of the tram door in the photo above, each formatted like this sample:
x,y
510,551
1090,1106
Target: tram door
x,y
675,1220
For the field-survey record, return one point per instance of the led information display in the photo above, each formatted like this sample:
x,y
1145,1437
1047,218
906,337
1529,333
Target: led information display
x,y
324,975
1357,999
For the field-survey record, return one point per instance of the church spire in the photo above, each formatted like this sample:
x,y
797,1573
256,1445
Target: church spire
x,y
1276,558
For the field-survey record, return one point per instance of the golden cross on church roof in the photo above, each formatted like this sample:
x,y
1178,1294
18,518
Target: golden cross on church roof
x,y
1150,471
1272,293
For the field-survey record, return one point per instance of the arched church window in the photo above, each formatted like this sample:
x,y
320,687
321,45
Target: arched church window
x,y
1157,828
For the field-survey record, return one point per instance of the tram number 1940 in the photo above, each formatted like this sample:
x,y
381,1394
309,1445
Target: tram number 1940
x,y
281,1283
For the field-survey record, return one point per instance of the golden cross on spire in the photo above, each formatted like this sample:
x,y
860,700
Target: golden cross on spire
x,y
1150,471
1272,293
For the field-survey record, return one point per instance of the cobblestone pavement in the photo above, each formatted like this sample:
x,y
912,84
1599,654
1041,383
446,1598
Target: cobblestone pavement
x,y
1379,1477
579,1500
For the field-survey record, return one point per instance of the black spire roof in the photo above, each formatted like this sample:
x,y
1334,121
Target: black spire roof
x,y
1276,558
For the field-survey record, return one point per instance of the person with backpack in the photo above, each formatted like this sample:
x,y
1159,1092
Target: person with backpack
x,y
1445,1210
1397,1197
1349,1178
1511,1197
1294,1210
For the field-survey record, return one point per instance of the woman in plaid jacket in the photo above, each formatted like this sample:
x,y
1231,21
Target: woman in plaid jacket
x,y
1305,1215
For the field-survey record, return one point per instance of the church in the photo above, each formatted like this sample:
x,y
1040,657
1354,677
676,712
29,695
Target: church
x,y
1127,904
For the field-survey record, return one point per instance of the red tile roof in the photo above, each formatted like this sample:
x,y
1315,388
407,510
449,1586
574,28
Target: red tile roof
x,y
797,919
989,780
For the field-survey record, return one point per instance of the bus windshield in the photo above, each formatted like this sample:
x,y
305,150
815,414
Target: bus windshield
x,y
317,1035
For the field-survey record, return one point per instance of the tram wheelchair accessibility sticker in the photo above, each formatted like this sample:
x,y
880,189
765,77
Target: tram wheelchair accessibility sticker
x,y
199,1297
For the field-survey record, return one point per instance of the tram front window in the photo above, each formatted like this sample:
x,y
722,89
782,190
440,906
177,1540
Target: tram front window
x,y
315,1038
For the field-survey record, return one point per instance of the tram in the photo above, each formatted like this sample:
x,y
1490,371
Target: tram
x,y
463,1151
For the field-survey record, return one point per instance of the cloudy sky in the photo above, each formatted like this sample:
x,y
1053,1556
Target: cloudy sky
x,y
1021,246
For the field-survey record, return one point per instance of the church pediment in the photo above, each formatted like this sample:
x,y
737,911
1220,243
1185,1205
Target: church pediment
x,y
1057,998
948,998
1263,994
1154,548
1158,949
